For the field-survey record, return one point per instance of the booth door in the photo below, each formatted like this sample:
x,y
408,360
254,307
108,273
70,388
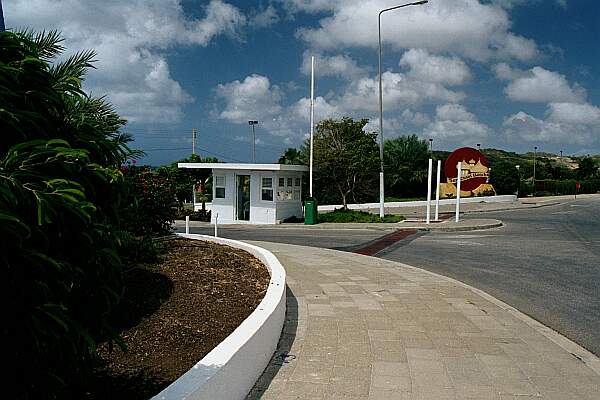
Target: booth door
x,y
243,198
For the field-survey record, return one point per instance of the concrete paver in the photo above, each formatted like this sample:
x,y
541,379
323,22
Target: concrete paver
x,y
359,327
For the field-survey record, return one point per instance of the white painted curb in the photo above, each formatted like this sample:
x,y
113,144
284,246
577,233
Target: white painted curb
x,y
398,204
231,369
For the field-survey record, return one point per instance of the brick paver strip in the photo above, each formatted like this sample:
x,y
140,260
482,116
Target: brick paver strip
x,y
384,242
364,328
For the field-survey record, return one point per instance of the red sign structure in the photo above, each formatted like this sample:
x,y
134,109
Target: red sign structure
x,y
475,175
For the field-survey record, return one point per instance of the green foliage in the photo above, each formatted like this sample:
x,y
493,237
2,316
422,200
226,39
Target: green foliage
x,y
137,249
504,176
405,160
60,192
342,215
293,156
150,203
183,181
346,161
588,168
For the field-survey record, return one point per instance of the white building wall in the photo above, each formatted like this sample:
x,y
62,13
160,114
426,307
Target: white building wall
x,y
261,212
289,208
225,208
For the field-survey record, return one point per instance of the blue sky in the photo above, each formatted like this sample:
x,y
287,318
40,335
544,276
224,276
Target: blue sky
x,y
510,74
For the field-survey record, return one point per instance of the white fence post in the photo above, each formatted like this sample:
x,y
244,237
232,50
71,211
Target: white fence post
x,y
437,191
428,217
187,224
216,223
458,179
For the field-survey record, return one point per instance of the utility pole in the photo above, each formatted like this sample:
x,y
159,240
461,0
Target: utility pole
x,y
252,123
312,123
194,132
534,156
2,28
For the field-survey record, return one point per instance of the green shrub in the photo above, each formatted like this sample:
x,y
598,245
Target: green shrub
x,y
60,191
150,206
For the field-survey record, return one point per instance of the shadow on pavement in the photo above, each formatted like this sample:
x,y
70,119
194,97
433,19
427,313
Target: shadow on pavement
x,y
282,356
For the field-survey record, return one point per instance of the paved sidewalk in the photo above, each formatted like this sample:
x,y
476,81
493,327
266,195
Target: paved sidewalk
x,y
365,328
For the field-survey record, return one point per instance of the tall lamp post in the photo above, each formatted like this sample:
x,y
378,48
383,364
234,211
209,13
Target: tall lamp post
x,y
381,191
252,123
518,167
534,157
431,146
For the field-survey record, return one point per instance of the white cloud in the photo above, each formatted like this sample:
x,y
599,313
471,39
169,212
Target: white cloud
x,y
514,3
129,38
571,123
431,68
398,90
463,27
453,123
543,86
265,18
506,72
252,98
339,65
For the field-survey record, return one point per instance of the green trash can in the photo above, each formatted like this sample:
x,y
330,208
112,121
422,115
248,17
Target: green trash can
x,y
311,213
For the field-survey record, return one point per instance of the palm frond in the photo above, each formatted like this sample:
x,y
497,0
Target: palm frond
x,y
47,43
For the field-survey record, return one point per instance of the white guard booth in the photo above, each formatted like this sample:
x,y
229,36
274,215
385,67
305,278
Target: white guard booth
x,y
254,193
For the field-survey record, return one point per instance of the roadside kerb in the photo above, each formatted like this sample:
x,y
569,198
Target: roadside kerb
x,y
423,203
230,370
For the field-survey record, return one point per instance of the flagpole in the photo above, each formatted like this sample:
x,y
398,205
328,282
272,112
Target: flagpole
x,y
312,120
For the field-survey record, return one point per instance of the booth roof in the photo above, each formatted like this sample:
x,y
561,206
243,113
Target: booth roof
x,y
245,167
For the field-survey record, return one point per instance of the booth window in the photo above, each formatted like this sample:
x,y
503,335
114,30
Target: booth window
x,y
281,182
267,189
289,181
219,187
297,182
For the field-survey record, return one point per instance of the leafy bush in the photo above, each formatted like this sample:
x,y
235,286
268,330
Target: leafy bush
x,y
151,205
60,191
342,215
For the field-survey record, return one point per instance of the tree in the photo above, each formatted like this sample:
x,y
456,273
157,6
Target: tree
x,y
185,180
405,160
346,161
60,195
588,167
504,176
293,156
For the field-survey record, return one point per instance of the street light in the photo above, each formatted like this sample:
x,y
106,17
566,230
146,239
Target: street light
x,y
534,156
252,123
478,146
431,146
381,191
518,167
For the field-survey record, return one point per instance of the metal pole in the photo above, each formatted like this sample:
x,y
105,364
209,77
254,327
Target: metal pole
x,y
381,180
534,156
458,179
253,145
193,140
187,224
437,190
429,176
312,121
2,27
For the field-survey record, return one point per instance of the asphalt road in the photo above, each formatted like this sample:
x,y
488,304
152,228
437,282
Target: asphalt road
x,y
544,262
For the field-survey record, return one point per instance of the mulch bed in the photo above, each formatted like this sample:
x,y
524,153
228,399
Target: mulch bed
x,y
174,313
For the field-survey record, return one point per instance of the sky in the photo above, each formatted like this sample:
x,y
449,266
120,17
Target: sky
x,y
509,74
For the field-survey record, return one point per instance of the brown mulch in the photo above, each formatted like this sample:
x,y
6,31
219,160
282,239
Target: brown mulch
x,y
174,313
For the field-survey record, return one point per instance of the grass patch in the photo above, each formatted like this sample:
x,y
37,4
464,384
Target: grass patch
x,y
341,215
392,199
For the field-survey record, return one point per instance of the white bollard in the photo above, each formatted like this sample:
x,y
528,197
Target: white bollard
x,y
437,191
428,217
459,176
216,223
187,224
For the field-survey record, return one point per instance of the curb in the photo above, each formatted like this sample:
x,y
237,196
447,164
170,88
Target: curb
x,y
231,369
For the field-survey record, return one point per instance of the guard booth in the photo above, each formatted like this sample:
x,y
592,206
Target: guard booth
x,y
254,193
